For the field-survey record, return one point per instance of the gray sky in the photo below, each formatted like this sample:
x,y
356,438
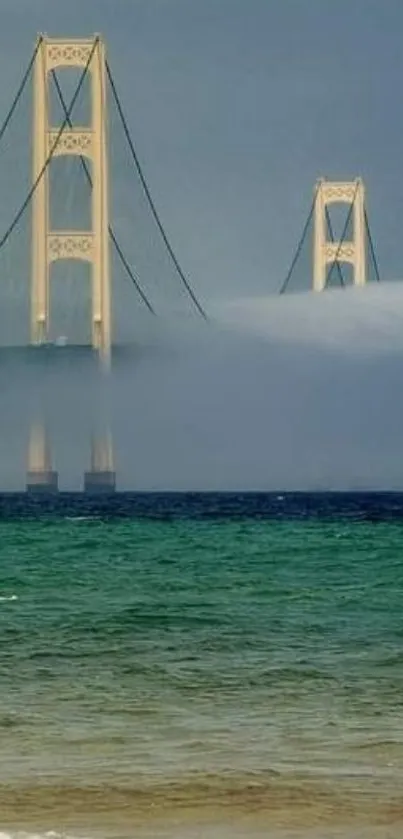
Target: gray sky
x,y
236,108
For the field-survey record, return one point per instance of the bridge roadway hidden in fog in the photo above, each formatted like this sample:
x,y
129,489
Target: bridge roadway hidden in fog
x,y
90,143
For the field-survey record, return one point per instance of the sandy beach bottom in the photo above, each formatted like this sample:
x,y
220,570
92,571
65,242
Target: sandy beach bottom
x,y
206,809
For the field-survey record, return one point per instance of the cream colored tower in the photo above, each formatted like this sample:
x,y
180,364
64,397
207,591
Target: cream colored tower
x,y
325,252
91,142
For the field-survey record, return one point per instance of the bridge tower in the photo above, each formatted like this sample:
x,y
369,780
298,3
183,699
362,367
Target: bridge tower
x,y
92,246
326,252
91,142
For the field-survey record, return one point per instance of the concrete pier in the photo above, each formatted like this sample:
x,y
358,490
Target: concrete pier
x,y
42,481
100,482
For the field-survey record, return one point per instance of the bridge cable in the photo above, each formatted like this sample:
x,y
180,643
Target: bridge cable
x,y
20,90
299,246
343,236
39,177
161,229
110,230
371,247
331,234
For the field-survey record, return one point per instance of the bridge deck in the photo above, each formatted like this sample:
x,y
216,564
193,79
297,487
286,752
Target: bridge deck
x,y
62,355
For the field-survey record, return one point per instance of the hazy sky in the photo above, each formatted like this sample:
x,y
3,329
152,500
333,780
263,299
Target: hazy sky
x,y
236,108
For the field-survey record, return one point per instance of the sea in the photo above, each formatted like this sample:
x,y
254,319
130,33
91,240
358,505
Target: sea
x,y
201,666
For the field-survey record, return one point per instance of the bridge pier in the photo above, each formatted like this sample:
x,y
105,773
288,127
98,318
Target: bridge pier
x,y
100,482
42,481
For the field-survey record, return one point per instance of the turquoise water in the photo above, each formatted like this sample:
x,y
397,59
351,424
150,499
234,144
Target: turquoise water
x,y
186,678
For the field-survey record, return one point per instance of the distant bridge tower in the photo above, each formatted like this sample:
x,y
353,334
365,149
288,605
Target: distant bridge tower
x,y
90,141
326,252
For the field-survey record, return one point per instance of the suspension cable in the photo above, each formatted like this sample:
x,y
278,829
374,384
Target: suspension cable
x,y
343,236
40,175
110,230
20,90
161,229
331,234
299,246
371,247
130,272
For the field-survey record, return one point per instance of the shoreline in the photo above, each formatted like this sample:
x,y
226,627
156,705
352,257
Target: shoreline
x,y
274,803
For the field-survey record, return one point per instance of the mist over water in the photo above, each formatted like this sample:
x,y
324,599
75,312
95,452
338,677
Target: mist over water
x,y
298,392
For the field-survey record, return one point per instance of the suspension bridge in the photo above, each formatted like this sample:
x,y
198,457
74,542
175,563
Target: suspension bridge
x,y
47,309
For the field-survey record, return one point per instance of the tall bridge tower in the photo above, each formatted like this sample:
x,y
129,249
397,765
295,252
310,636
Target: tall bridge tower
x,y
326,252
90,142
